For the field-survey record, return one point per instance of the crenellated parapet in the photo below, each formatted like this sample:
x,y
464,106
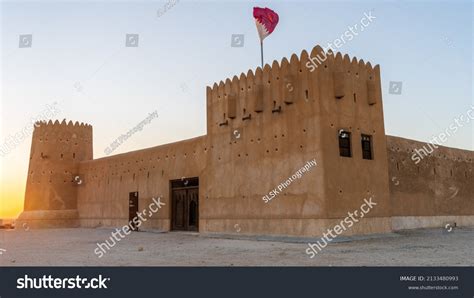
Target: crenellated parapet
x,y
63,123
63,138
56,130
303,78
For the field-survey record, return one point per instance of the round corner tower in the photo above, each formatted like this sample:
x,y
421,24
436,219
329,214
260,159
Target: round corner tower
x,y
51,187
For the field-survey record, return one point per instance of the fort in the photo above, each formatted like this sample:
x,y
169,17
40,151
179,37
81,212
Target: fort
x,y
262,127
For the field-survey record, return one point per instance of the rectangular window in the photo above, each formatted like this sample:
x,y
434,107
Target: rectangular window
x,y
345,143
366,147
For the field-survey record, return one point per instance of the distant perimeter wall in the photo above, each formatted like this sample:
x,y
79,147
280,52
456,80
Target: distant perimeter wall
x,y
430,191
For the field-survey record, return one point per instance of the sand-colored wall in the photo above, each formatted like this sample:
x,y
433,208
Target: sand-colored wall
x,y
104,194
441,184
278,133
56,151
235,168
350,99
262,127
51,190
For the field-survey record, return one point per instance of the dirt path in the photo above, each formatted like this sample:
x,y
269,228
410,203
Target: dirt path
x,y
75,247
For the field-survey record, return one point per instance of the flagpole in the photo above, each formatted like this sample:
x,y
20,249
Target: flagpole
x,y
261,51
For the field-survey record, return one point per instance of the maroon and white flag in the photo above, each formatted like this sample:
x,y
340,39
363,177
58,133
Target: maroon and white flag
x,y
266,20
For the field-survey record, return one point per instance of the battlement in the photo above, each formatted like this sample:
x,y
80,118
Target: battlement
x,y
58,125
66,142
302,78
62,131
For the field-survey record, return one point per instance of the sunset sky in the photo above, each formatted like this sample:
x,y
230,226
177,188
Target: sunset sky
x,y
78,59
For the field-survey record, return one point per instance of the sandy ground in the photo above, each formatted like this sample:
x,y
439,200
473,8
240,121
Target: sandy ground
x,y
75,247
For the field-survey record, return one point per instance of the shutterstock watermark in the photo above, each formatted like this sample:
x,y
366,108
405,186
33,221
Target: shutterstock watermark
x,y
348,35
48,282
351,218
12,141
442,137
137,221
139,127
272,194
168,5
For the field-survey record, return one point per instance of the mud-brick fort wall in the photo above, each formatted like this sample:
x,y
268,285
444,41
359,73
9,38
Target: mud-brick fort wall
x,y
350,99
262,127
438,189
56,152
57,148
265,127
286,115
103,196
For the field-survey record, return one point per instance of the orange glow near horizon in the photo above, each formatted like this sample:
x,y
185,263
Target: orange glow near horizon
x,y
11,201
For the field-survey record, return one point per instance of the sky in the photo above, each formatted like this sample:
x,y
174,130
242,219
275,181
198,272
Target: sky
x,y
79,63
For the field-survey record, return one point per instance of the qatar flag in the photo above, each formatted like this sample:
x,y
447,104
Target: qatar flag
x,y
266,20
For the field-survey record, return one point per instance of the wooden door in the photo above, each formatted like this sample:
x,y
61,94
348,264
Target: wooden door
x,y
185,206
132,209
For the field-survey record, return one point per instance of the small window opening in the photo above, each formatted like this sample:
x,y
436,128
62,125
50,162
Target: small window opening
x,y
345,144
366,147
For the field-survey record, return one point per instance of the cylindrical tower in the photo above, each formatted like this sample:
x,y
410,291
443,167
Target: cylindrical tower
x,y
51,189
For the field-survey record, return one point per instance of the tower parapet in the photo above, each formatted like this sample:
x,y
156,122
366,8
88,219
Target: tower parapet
x,y
56,150
283,83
